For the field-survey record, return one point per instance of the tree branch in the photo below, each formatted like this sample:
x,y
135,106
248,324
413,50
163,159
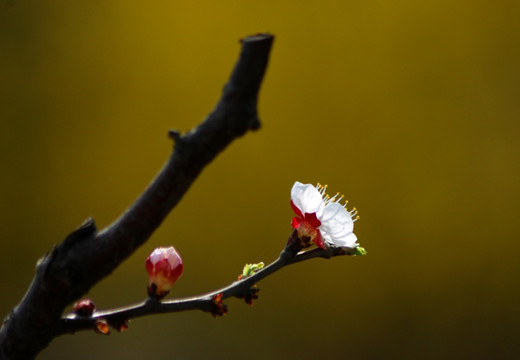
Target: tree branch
x,y
87,256
210,302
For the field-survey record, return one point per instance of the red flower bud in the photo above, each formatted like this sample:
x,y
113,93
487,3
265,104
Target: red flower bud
x,y
164,267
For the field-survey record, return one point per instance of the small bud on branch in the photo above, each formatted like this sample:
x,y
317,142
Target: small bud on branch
x,y
84,307
164,267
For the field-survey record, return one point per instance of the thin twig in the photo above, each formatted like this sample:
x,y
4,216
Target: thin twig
x,y
115,317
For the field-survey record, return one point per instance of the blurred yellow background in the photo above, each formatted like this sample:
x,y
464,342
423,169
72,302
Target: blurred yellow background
x,y
411,109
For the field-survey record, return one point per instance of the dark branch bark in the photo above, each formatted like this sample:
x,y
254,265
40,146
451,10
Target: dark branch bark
x,y
87,256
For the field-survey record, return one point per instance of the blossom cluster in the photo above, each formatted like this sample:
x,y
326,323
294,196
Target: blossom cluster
x,y
322,218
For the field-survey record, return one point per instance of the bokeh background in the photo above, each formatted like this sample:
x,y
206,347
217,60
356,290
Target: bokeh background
x,y
410,108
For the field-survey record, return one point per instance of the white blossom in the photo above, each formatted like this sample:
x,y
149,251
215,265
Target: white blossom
x,y
321,217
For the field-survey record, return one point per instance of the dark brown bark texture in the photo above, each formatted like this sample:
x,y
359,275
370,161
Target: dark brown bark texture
x,y
86,256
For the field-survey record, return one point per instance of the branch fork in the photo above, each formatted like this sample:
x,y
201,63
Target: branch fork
x,y
86,256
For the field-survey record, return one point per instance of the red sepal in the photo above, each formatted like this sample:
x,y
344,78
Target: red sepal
x,y
296,222
318,240
312,219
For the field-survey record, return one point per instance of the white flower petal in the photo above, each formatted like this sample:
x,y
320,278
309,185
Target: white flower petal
x,y
348,241
326,238
335,216
306,198
165,253
156,256
337,225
